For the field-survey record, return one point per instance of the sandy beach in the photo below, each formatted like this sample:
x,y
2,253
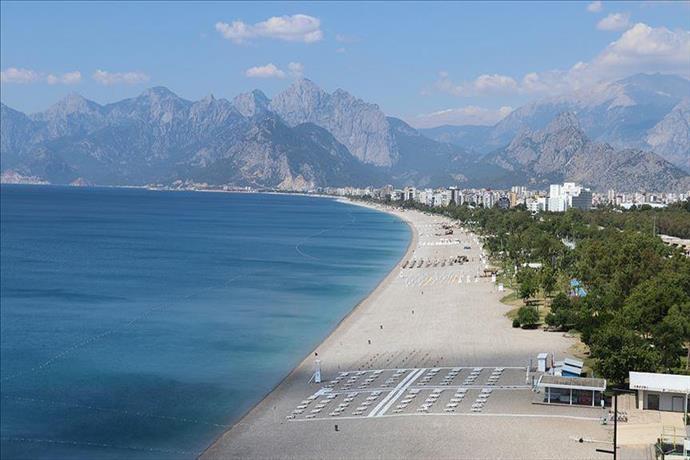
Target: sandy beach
x,y
436,324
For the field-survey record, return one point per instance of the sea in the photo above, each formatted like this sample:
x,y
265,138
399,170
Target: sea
x,y
142,324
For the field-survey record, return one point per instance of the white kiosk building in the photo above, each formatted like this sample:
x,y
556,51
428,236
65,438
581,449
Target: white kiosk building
x,y
667,392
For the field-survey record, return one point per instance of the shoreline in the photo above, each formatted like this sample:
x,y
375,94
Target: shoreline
x,y
306,361
430,317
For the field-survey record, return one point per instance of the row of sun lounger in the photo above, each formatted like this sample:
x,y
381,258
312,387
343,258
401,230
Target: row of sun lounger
x,y
481,400
414,263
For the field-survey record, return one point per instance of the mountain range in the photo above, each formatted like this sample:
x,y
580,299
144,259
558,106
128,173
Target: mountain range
x,y
647,112
306,137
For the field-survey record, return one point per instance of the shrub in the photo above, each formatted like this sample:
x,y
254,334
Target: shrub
x,y
528,317
516,322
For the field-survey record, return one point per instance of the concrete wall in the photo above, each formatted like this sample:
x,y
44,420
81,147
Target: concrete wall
x,y
670,402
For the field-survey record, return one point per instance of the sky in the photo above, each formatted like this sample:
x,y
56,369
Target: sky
x,y
428,63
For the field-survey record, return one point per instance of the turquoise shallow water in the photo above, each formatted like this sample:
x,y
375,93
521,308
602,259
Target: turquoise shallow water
x,y
140,324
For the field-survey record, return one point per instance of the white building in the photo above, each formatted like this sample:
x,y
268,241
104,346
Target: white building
x,y
568,195
665,392
557,199
536,204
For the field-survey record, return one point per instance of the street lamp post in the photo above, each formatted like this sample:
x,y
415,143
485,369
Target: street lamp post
x,y
616,392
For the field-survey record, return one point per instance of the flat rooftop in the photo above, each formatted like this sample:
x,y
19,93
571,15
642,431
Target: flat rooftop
x,y
576,383
660,382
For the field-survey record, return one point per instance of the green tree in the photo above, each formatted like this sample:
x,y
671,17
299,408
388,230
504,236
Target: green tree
x,y
561,314
671,334
528,317
617,350
650,301
548,280
528,283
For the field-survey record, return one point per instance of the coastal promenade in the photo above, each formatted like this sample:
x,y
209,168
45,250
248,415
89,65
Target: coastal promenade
x,y
427,366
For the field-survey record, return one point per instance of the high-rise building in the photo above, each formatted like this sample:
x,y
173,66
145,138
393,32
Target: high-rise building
x,y
568,195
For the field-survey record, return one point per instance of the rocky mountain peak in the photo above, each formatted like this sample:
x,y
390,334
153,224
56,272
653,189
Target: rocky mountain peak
x,y
73,103
563,121
305,86
671,136
159,92
360,126
252,103
300,102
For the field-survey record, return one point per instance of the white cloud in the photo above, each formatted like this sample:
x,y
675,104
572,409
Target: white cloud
x,y
468,115
270,70
483,84
296,69
641,48
23,76
295,28
614,21
69,78
115,78
644,48
594,7
495,82
264,71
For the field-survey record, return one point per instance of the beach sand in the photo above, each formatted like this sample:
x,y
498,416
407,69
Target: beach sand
x,y
422,318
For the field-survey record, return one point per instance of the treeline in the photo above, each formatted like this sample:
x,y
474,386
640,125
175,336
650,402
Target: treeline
x,y
635,311
672,220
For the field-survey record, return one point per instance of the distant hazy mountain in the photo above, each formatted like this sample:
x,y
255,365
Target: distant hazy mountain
x,y
642,111
360,126
304,138
469,136
254,103
562,152
671,136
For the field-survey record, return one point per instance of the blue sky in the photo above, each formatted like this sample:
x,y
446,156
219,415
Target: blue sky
x,y
428,63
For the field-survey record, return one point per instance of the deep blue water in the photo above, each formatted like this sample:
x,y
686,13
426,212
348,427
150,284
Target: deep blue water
x,y
140,324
